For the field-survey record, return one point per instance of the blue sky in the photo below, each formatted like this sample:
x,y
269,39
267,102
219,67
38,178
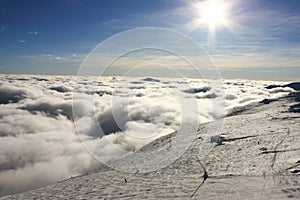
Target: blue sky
x,y
53,37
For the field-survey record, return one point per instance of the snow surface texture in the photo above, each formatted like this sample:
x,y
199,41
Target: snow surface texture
x,y
39,144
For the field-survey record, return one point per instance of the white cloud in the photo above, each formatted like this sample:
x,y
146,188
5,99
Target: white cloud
x,y
12,94
114,24
256,60
72,58
42,136
33,32
58,58
22,41
39,144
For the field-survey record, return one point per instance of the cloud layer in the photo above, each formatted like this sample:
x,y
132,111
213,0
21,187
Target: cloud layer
x,y
39,143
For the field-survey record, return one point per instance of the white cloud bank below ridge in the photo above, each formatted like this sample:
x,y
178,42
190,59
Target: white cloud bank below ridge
x,y
39,144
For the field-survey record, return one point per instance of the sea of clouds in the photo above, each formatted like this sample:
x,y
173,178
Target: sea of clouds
x,y
39,143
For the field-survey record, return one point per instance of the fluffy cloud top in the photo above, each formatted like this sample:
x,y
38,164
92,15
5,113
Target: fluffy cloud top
x,y
39,143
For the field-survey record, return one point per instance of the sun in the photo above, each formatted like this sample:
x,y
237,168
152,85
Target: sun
x,y
213,13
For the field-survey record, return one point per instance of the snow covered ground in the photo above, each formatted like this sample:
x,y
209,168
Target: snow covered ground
x,y
256,157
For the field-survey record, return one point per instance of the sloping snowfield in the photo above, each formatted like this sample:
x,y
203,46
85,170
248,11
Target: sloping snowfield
x,y
255,157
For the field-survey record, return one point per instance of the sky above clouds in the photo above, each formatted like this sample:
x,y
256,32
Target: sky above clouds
x,y
53,37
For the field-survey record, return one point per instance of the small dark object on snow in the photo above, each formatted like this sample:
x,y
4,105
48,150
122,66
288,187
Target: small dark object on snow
x,y
263,148
295,171
205,176
217,139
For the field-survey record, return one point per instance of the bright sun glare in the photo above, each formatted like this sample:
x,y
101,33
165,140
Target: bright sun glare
x,y
212,13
